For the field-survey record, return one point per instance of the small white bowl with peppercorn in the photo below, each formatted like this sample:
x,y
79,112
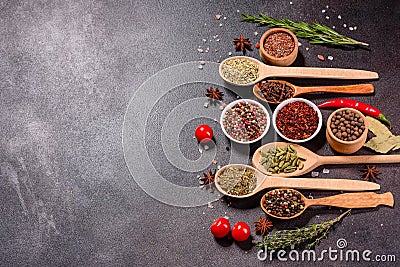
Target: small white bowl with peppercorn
x,y
346,130
297,120
245,121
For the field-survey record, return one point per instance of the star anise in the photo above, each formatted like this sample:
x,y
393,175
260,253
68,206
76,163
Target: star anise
x,y
370,173
241,44
214,94
263,225
208,179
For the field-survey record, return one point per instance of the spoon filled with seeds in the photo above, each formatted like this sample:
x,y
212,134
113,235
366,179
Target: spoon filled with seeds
x,y
245,71
288,160
276,91
289,203
241,181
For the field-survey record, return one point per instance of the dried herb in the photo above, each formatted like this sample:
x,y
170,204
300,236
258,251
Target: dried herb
x,y
384,140
312,235
241,44
214,94
239,71
316,33
237,181
370,173
263,225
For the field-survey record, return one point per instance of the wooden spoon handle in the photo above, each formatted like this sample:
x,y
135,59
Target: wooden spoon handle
x,y
319,184
345,89
365,159
354,200
306,72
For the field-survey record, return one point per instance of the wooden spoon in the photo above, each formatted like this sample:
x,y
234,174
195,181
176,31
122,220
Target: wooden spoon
x,y
313,160
265,71
298,90
347,200
264,181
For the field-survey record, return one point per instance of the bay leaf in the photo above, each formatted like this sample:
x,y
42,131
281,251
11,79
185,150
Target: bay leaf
x,y
377,127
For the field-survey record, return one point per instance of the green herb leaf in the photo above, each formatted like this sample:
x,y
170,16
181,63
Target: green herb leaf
x,y
316,33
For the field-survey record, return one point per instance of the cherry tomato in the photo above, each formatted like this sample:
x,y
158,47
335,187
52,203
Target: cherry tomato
x,y
220,227
204,133
240,231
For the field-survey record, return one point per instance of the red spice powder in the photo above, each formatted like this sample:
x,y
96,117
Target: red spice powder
x,y
297,120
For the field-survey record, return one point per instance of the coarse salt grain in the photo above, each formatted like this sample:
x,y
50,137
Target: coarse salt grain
x,y
323,11
210,205
314,174
255,33
200,67
345,25
291,3
218,16
330,57
202,62
307,48
220,25
224,17
300,44
327,17
205,105
339,17
200,50
351,28
325,171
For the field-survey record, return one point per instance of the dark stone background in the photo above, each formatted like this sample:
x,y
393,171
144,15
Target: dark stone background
x,y
68,70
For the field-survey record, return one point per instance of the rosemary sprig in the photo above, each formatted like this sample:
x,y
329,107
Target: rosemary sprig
x,y
316,33
312,233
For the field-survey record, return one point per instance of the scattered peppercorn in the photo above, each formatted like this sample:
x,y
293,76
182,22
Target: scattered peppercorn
x,y
297,120
283,202
347,125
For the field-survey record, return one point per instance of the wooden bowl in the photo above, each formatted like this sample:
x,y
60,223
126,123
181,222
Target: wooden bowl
x,y
346,147
281,61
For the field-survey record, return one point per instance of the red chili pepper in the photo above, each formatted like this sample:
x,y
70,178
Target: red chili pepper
x,y
360,106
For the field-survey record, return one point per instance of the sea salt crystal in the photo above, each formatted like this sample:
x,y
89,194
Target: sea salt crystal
x,y
200,67
230,53
381,224
224,17
218,16
210,205
330,57
333,27
206,147
327,7
237,11
226,217
310,196
307,48
200,50
255,33
339,17
219,167
300,44
220,25
204,212
217,41
355,27
204,40
215,36
325,170
202,62
291,3
314,174
345,25
323,11
327,17
351,28
205,105
214,161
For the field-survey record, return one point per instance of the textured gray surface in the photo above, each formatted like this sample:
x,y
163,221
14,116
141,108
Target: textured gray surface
x,y
68,70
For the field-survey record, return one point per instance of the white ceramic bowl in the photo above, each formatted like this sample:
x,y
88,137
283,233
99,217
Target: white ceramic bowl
x,y
284,103
230,105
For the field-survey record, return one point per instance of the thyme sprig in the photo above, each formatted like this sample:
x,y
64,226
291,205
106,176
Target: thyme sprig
x,y
312,233
316,33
